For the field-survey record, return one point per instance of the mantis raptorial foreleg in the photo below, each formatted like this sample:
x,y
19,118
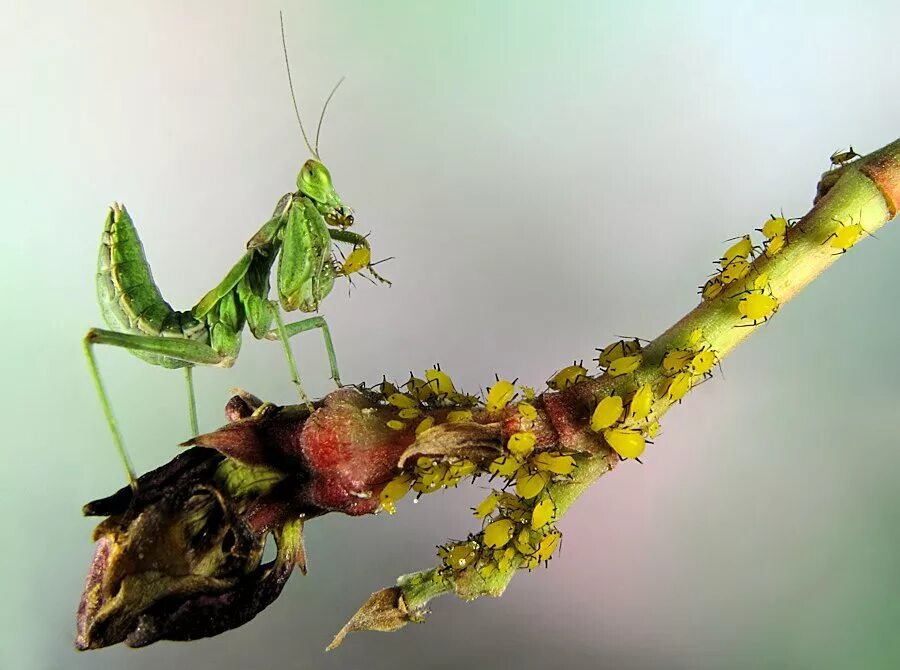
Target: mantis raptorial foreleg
x,y
190,352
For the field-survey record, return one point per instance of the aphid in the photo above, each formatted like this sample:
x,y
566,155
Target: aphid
x,y
521,444
358,259
608,411
547,546
703,363
737,268
394,491
459,469
846,236
543,513
695,339
712,288
487,506
740,249
504,466
528,392
774,245
641,403
498,533
676,360
653,430
387,388
401,401
409,413
440,381
424,424
625,365
840,157
304,228
616,350
569,375
527,411
758,303
627,442
523,542
530,484
394,424
459,556
677,387
774,226
459,416
499,395
419,389
554,463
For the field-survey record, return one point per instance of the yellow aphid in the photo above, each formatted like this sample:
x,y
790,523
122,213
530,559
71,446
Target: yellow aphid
x,y
757,307
505,558
676,360
711,289
460,469
356,260
608,411
641,403
840,157
459,416
776,226
626,442
504,466
393,424
554,463
509,502
498,533
762,281
424,425
616,350
738,268
523,542
774,245
387,388
845,236
528,393
440,381
499,395
677,386
543,513
431,479
527,411
459,556
487,506
547,546
401,400
409,413
653,429
393,491
624,365
702,363
740,249
487,570
419,389
695,339
569,375
521,444
529,485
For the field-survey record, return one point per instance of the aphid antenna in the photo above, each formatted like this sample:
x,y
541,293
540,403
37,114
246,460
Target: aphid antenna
x,y
287,64
629,337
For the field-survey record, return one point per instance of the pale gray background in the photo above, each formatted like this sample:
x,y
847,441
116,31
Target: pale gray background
x,y
547,175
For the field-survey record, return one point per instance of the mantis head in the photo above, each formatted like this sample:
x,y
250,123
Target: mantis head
x,y
314,181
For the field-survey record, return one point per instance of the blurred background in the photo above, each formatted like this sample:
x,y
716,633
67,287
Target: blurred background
x,y
547,176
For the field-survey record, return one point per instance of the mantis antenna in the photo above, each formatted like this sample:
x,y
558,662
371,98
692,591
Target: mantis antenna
x,y
324,107
287,64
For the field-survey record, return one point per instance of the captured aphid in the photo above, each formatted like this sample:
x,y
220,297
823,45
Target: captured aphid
x,y
740,249
569,375
521,444
440,381
358,259
625,365
627,442
499,395
641,403
543,513
676,360
840,157
616,350
845,236
737,268
608,411
712,288
498,533
676,387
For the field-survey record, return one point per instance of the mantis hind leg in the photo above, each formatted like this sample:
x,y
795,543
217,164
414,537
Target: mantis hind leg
x,y
187,351
285,331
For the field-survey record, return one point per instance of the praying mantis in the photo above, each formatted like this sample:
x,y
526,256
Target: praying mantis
x,y
302,229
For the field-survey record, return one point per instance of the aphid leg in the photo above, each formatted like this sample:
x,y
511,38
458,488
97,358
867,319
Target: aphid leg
x,y
357,241
187,351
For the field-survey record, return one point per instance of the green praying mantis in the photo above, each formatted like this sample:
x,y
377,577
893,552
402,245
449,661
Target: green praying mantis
x,y
302,229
